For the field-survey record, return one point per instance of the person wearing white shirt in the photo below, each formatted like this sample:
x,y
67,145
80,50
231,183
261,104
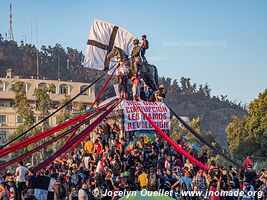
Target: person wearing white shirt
x,y
21,173
82,195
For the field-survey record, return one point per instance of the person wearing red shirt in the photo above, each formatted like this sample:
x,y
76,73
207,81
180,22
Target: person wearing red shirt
x,y
98,146
214,187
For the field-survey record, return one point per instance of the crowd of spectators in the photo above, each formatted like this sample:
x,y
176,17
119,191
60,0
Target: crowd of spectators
x,y
104,162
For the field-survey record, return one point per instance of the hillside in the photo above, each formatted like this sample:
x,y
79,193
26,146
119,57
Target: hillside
x,y
187,99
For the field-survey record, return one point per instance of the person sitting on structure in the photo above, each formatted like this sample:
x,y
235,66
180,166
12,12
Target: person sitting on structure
x,y
135,60
136,87
142,93
144,47
161,93
122,83
158,95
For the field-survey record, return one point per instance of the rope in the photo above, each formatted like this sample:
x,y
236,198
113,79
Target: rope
x,y
71,135
99,95
172,143
38,136
202,140
79,137
76,144
68,102
73,129
104,87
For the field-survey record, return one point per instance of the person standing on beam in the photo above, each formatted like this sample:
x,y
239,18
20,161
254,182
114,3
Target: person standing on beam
x,y
144,47
136,61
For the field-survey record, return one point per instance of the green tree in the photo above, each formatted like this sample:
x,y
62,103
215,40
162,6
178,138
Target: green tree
x,y
43,105
65,114
178,130
21,104
24,111
43,101
248,135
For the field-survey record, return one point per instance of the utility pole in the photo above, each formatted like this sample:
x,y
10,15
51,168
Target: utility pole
x,y
37,62
37,53
31,32
58,63
10,32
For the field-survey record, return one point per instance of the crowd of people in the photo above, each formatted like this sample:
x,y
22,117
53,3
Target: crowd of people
x,y
103,162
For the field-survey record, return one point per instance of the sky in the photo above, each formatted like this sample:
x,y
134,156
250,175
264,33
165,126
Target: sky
x,y
222,43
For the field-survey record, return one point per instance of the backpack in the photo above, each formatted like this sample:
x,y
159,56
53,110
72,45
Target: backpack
x,y
62,192
75,179
147,44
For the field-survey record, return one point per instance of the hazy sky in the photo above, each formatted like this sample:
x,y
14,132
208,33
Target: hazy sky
x,y
222,43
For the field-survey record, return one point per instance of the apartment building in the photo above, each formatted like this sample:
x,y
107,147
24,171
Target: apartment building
x,y
9,119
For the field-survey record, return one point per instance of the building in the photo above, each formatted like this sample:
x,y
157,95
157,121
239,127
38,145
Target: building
x,y
9,119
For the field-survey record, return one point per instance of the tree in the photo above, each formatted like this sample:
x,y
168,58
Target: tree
x,y
43,105
179,130
65,114
207,90
43,101
248,135
24,111
21,104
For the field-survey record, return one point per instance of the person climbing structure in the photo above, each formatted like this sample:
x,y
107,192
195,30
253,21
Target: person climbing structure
x,y
122,83
135,60
144,47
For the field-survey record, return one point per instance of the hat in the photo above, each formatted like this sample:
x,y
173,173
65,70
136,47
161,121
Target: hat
x,y
200,170
161,86
136,40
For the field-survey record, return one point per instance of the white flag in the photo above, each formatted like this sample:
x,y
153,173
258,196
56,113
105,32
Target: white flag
x,y
102,38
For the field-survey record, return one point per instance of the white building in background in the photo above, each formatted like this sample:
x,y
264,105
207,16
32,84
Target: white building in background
x,y
9,119
185,118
